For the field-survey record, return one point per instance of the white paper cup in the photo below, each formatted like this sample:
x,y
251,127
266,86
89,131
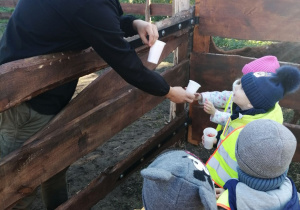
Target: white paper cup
x,y
155,51
193,87
210,135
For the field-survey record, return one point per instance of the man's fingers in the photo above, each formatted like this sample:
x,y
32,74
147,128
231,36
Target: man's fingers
x,y
190,99
153,34
144,40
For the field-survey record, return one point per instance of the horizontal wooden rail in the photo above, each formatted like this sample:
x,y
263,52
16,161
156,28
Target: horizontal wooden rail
x,y
155,9
5,15
8,3
23,79
211,69
275,20
112,177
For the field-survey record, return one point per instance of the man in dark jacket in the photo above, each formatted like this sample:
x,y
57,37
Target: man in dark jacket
x,y
39,27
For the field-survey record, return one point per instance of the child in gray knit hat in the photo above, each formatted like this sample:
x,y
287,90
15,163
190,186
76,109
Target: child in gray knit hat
x,y
264,151
178,180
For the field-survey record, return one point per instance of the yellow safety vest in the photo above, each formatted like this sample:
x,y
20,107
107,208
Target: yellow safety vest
x,y
273,114
220,127
222,163
223,200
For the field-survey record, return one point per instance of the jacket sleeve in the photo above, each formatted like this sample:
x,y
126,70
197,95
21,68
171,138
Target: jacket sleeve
x,y
99,23
219,99
220,117
126,25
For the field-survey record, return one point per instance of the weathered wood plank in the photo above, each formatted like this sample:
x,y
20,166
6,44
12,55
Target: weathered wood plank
x,y
200,42
296,131
8,3
111,177
160,9
76,138
5,15
147,11
255,20
155,9
177,18
200,45
218,72
23,79
138,9
181,53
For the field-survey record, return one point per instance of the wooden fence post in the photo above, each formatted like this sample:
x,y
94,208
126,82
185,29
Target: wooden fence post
x,y
179,53
201,45
148,11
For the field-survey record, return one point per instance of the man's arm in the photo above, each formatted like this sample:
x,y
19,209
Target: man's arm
x,y
99,24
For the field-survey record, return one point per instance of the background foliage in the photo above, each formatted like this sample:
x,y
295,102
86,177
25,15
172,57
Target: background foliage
x,y
231,44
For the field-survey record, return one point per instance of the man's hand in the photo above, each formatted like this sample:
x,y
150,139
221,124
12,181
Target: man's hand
x,y
198,97
144,28
209,107
179,95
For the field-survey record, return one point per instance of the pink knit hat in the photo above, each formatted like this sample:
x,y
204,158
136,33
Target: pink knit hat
x,y
267,63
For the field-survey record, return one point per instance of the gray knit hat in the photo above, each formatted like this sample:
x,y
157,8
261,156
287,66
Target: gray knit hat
x,y
265,149
177,180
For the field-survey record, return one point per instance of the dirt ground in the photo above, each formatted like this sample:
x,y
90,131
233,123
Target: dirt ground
x,y
127,196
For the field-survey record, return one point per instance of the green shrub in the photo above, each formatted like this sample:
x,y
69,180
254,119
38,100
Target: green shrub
x,y
6,9
230,44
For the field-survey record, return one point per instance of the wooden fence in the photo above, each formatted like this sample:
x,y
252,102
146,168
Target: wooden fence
x,y
58,146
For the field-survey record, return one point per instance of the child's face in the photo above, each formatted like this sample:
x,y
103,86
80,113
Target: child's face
x,y
239,96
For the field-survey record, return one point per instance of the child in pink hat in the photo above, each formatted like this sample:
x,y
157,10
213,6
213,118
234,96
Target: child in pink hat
x,y
267,63
223,99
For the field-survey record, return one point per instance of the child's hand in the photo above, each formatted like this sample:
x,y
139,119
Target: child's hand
x,y
198,97
219,192
209,107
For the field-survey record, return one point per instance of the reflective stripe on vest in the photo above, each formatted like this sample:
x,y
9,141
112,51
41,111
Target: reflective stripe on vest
x,y
220,127
223,200
273,114
222,163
